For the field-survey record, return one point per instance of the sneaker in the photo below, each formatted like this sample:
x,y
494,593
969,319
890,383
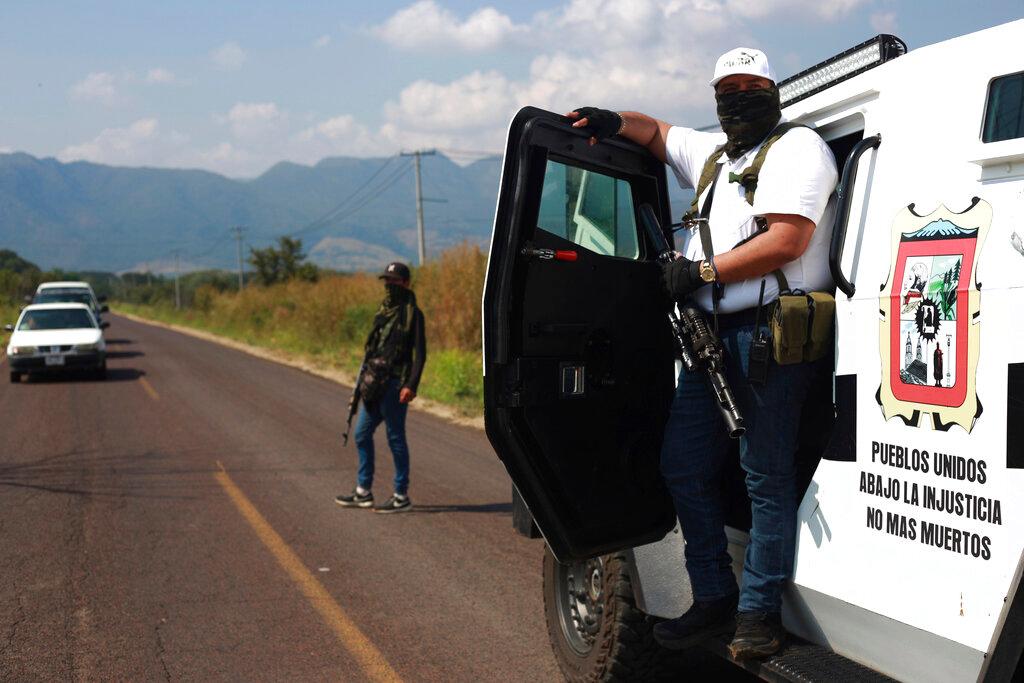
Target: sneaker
x,y
395,503
702,621
758,635
355,499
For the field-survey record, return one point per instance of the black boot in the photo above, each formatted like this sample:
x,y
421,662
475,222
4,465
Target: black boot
x,y
758,635
702,621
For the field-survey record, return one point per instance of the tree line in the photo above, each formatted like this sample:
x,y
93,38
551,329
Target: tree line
x,y
275,264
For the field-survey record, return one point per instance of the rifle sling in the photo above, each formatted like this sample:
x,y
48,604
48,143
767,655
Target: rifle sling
x,y
704,229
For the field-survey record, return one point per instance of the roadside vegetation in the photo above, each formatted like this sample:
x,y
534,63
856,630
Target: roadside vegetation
x,y
18,279
289,305
325,317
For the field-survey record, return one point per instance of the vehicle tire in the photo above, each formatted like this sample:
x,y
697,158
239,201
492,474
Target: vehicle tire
x,y
15,377
595,629
100,373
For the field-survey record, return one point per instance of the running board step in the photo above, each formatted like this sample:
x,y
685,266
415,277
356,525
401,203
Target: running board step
x,y
802,662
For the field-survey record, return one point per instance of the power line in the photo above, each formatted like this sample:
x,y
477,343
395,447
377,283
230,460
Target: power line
x,y
341,205
207,252
379,189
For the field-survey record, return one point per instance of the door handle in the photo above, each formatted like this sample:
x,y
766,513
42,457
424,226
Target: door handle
x,y
550,254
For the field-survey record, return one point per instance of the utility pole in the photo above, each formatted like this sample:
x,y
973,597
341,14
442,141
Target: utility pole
x,y
419,198
177,285
238,230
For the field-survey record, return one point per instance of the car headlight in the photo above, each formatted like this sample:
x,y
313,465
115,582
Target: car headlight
x,y
21,350
87,347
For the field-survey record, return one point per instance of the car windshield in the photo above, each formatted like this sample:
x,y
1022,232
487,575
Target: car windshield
x,y
56,319
63,296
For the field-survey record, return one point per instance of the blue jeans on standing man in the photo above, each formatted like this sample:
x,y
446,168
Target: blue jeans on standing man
x,y
389,410
692,458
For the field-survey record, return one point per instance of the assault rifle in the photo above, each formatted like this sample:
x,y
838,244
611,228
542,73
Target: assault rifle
x,y
353,404
698,346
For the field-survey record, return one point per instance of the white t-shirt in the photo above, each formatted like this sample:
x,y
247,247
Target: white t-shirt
x,y
798,177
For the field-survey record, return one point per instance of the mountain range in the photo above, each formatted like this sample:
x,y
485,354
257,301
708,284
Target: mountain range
x,y
351,213
86,216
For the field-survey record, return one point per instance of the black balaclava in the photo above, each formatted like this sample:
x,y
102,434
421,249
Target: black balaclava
x,y
747,116
395,295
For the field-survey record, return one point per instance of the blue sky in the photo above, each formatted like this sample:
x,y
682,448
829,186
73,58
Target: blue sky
x,y
234,87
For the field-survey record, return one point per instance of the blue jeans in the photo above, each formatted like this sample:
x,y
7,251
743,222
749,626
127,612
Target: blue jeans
x,y
389,410
693,454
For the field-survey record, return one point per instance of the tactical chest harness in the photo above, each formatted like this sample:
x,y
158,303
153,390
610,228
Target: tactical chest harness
x,y
801,323
384,347
748,180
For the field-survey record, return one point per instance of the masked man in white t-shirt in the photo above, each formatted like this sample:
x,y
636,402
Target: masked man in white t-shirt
x,y
786,228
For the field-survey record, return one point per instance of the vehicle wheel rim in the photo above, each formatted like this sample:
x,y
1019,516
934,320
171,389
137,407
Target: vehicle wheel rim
x,y
580,593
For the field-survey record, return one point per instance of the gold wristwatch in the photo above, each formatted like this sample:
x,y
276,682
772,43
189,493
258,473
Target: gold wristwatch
x,y
707,271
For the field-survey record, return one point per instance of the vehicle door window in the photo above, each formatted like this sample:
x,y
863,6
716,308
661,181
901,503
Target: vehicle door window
x,y
590,209
1004,112
56,319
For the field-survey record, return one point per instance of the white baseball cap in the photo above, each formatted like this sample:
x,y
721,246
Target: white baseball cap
x,y
743,60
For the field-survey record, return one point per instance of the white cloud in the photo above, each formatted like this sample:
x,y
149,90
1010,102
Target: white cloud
x,y
145,143
98,86
469,102
883,22
623,54
133,144
225,158
824,10
338,135
336,128
159,75
229,56
253,119
649,55
425,24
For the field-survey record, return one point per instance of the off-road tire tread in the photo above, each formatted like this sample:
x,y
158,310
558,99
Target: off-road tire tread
x,y
626,647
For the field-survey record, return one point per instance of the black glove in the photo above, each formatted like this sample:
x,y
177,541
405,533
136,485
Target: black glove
x,y
601,123
681,278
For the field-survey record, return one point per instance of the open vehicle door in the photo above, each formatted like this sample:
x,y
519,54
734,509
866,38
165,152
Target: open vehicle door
x,y
578,354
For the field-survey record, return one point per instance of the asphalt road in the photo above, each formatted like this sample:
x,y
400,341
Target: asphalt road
x,y
177,522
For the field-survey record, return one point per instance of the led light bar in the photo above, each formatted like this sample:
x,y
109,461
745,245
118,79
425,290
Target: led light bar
x,y
843,66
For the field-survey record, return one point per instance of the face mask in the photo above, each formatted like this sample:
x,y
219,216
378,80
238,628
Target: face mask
x,y
394,294
747,116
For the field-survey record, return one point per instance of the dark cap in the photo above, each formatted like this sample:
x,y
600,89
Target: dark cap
x,y
396,269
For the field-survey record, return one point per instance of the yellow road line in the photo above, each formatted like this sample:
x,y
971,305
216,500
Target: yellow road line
x,y
149,389
369,658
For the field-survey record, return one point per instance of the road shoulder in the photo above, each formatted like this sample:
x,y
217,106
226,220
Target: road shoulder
x,y
306,365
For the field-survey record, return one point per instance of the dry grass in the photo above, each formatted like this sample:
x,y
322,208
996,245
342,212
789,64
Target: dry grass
x,y
329,320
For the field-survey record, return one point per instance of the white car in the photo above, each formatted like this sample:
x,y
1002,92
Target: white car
x,y
70,292
76,284
56,337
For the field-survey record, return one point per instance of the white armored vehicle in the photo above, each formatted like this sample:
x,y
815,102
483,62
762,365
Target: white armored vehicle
x,y
911,526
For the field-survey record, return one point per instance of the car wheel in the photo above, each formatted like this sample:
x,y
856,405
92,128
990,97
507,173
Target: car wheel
x,y
100,373
596,631
15,377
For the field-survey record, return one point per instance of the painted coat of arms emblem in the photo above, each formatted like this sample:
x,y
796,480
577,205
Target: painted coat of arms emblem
x,y
930,333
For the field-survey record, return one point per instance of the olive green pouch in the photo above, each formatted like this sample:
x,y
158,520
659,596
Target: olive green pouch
x,y
819,331
789,328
